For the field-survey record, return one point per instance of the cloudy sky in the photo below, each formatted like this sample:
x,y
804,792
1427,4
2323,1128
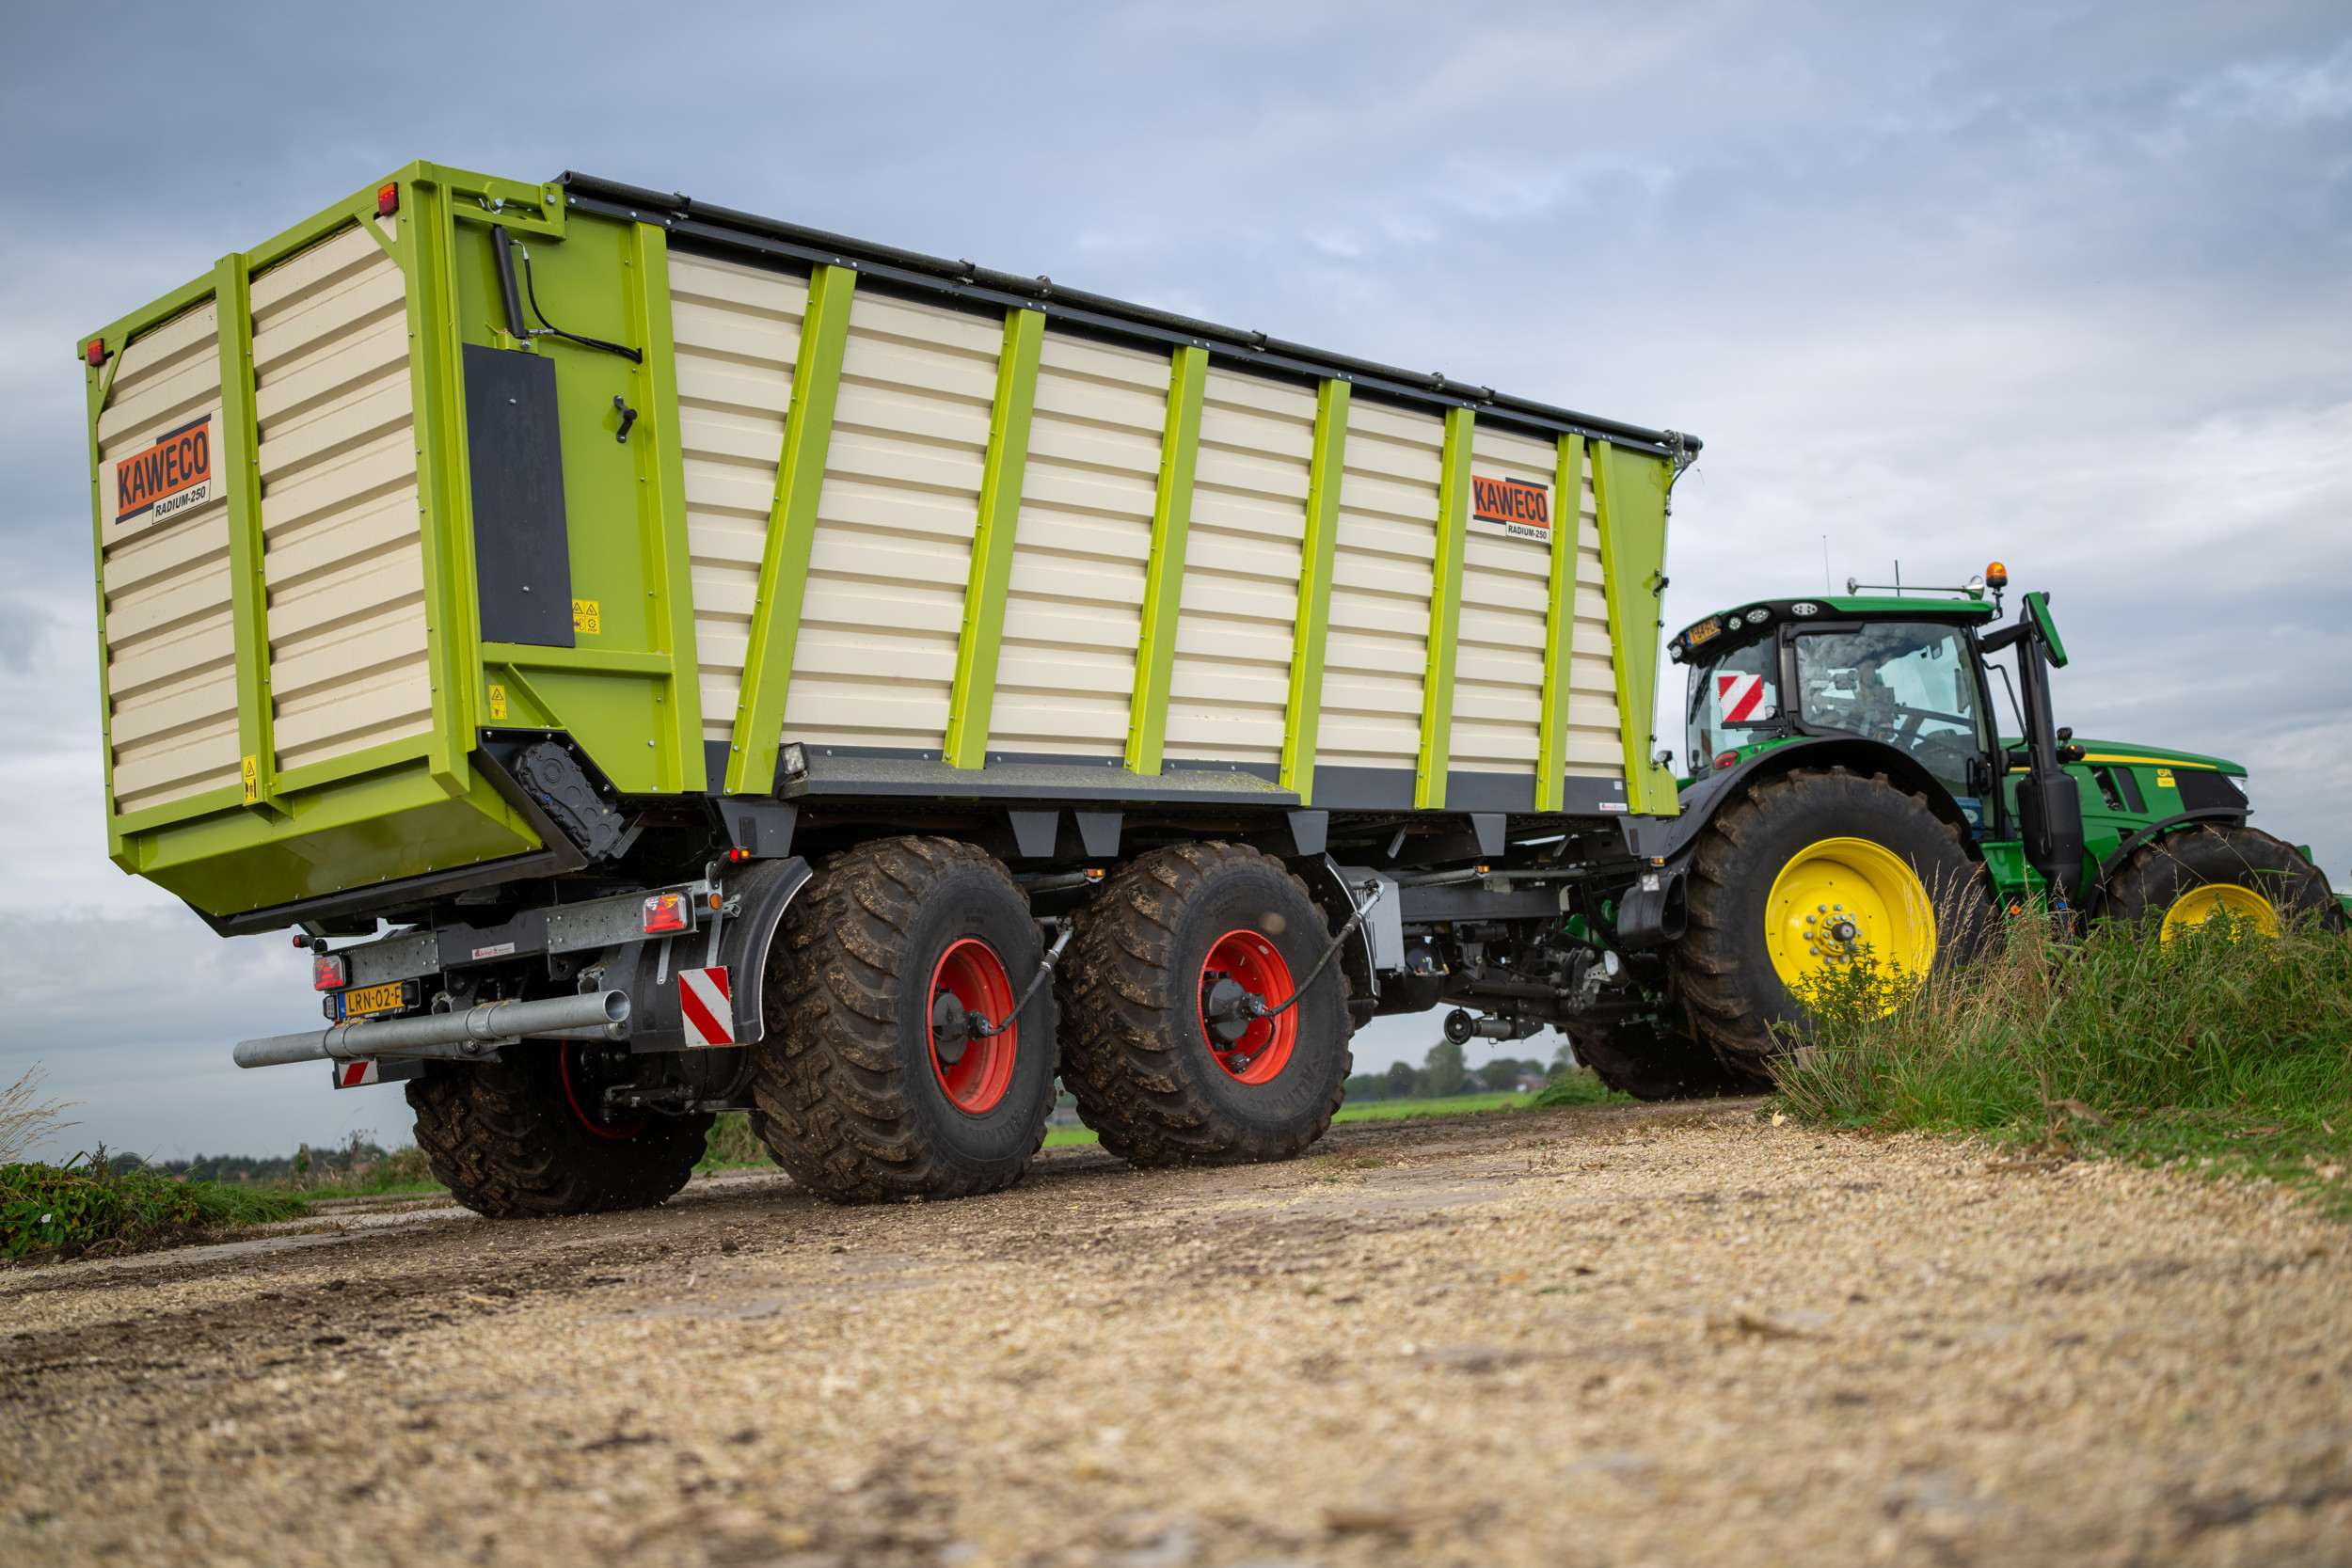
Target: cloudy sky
x,y
2064,285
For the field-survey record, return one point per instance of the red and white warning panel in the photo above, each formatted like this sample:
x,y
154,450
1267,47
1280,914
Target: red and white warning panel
x,y
1740,698
705,1007
360,1071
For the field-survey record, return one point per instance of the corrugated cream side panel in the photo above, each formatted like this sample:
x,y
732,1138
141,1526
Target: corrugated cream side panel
x,y
1229,695
342,553
738,331
1074,612
1506,597
1382,573
1594,750
901,500
170,639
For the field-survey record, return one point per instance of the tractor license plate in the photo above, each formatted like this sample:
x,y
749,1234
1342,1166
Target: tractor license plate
x,y
363,1000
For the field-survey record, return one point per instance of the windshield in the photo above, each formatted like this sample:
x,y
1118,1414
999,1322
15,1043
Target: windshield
x,y
1909,685
1732,696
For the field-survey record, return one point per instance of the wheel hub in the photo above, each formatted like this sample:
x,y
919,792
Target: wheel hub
x,y
974,1069
1842,898
1225,1007
1244,980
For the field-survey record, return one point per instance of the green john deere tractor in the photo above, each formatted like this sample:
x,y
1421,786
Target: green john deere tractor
x,y
1848,790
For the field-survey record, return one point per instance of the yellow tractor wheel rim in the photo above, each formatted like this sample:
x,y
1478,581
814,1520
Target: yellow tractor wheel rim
x,y
1847,882
2201,904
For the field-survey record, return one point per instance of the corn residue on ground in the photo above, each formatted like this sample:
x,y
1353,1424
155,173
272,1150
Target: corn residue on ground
x,y
1593,1336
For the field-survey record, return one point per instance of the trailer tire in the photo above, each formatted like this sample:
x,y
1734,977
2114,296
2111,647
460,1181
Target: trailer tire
x,y
1725,970
1139,1056
512,1139
1648,1063
860,1098
2186,877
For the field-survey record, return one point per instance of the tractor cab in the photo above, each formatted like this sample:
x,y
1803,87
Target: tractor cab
x,y
1901,673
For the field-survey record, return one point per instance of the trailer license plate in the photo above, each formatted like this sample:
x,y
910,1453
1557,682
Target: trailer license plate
x,y
387,998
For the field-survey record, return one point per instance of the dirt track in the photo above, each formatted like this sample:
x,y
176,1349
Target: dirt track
x,y
1602,1336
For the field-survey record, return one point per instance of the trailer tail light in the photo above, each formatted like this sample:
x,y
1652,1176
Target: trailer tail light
x,y
97,351
667,911
329,972
387,201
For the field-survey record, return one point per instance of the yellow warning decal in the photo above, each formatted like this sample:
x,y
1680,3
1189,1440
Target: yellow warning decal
x,y
249,774
586,616
498,703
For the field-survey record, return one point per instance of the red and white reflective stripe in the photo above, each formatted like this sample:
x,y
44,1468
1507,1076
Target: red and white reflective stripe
x,y
706,1008
1739,697
356,1074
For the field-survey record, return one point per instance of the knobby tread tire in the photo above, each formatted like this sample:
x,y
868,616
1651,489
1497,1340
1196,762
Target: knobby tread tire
x,y
1132,1052
848,1100
1721,970
2158,873
1641,1060
503,1137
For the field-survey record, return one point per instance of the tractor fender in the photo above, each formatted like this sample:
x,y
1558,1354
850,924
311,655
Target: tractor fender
x,y
1668,841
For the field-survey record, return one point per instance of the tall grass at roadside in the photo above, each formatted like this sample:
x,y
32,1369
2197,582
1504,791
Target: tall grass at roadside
x,y
2222,1048
93,1205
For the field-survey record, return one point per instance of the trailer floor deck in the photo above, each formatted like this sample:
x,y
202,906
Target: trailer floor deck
x,y
1612,1335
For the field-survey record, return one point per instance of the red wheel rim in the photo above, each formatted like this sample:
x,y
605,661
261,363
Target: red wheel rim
x,y
575,1081
971,971
1252,962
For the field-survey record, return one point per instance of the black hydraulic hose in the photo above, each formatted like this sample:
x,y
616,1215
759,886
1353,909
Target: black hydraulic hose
x,y
978,1025
545,328
1256,1005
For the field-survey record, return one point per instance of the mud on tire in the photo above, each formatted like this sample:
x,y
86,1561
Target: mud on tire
x,y
1136,1051
850,1100
1722,968
519,1136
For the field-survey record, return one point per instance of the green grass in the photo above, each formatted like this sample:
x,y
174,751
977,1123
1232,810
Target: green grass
x,y
2222,1051
84,1206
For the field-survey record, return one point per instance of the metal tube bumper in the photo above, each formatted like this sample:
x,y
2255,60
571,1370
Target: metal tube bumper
x,y
453,1034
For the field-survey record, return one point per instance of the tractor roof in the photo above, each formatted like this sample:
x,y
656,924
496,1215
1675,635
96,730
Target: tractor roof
x,y
1828,607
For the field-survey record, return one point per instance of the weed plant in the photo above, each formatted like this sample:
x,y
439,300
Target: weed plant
x,y
2221,1049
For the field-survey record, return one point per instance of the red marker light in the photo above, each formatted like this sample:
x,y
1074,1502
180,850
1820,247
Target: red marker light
x,y
329,972
667,911
1726,759
738,854
97,351
387,201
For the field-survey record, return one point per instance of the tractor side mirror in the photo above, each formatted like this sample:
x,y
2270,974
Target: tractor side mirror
x,y
2038,606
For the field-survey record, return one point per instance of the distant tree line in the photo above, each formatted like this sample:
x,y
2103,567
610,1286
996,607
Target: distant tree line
x,y
1443,1073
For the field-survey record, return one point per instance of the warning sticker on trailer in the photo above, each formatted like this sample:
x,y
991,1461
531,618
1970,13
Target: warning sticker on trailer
x,y
168,478
1512,507
1739,699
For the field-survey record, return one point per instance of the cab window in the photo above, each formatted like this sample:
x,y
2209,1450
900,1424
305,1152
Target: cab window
x,y
1733,698
1912,687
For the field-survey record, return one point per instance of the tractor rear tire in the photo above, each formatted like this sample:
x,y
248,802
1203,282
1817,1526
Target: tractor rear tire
x,y
1724,967
2185,877
520,1137
1152,1075
1647,1063
860,1098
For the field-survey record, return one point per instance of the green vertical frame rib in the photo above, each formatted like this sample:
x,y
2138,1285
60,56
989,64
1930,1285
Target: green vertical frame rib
x,y
977,646
435,381
241,483
1630,497
99,384
661,509
791,532
1445,612
1551,728
1164,574
1311,627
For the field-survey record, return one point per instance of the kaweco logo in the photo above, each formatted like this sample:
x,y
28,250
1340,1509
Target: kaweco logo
x,y
168,478
1521,510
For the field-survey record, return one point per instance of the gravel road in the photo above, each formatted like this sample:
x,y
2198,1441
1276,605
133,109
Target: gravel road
x,y
1604,1336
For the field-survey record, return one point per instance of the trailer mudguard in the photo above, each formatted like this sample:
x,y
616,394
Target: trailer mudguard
x,y
1667,840
760,891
